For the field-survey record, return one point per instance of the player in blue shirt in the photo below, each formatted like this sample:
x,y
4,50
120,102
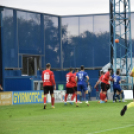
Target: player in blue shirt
x,y
81,79
116,85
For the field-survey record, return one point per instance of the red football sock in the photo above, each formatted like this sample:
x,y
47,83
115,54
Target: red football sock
x,y
52,101
66,95
103,96
100,95
72,98
45,100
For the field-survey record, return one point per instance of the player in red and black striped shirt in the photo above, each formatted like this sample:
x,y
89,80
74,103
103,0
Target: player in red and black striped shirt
x,y
99,80
105,85
48,84
70,84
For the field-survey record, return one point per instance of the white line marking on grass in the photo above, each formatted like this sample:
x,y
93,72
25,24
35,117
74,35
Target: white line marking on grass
x,y
110,129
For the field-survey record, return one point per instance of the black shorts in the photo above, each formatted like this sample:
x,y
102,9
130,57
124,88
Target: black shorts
x,y
104,86
108,86
70,90
75,88
47,89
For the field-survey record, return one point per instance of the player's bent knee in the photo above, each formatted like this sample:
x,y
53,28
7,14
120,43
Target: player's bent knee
x,y
45,95
86,92
104,92
78,92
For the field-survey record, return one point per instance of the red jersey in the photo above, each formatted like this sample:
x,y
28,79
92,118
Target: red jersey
x,y
106,77
75,84
101,77
48,78
70,80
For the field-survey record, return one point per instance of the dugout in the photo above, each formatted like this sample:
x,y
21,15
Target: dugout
x,y
29,40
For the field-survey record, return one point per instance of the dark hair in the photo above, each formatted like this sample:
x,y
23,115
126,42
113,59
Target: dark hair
x,y
101,72
76,69
82,67
48,65
117,72
110,69
118,69
70,69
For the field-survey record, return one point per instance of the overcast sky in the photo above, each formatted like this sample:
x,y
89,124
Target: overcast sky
x,y
62,7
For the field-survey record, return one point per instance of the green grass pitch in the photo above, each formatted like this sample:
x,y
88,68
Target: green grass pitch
x,y
95,119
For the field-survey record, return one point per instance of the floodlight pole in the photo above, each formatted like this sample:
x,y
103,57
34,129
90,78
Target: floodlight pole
x,y
120,28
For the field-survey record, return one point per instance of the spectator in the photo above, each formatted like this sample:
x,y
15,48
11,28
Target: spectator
x,y
89,91
1,89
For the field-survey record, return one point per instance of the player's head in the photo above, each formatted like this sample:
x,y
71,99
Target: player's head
x,y
101,72
82,67
117,72
110,70
71,70
76,70
48,66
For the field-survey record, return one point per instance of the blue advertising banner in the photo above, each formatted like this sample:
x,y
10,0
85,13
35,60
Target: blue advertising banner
x,y
28,97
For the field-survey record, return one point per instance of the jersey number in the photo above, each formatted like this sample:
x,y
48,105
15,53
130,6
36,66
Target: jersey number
x,y
115,79
67,79
46,77
81,76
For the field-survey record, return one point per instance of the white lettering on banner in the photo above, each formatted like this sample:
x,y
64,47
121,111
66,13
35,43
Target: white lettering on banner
x,y
5,96
59,96
5,102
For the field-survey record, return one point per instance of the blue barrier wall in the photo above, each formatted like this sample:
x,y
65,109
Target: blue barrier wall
x,y
18,84
26,83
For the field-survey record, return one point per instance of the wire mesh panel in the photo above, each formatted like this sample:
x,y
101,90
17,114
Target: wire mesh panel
x,y
101,45
85,41
69,41
10,48
29,33
52,46
77,41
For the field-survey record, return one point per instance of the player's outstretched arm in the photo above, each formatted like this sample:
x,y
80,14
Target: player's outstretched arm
x,y
42,76
76,78
53,80
131,74
87,78
97,83
55,87
110,78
